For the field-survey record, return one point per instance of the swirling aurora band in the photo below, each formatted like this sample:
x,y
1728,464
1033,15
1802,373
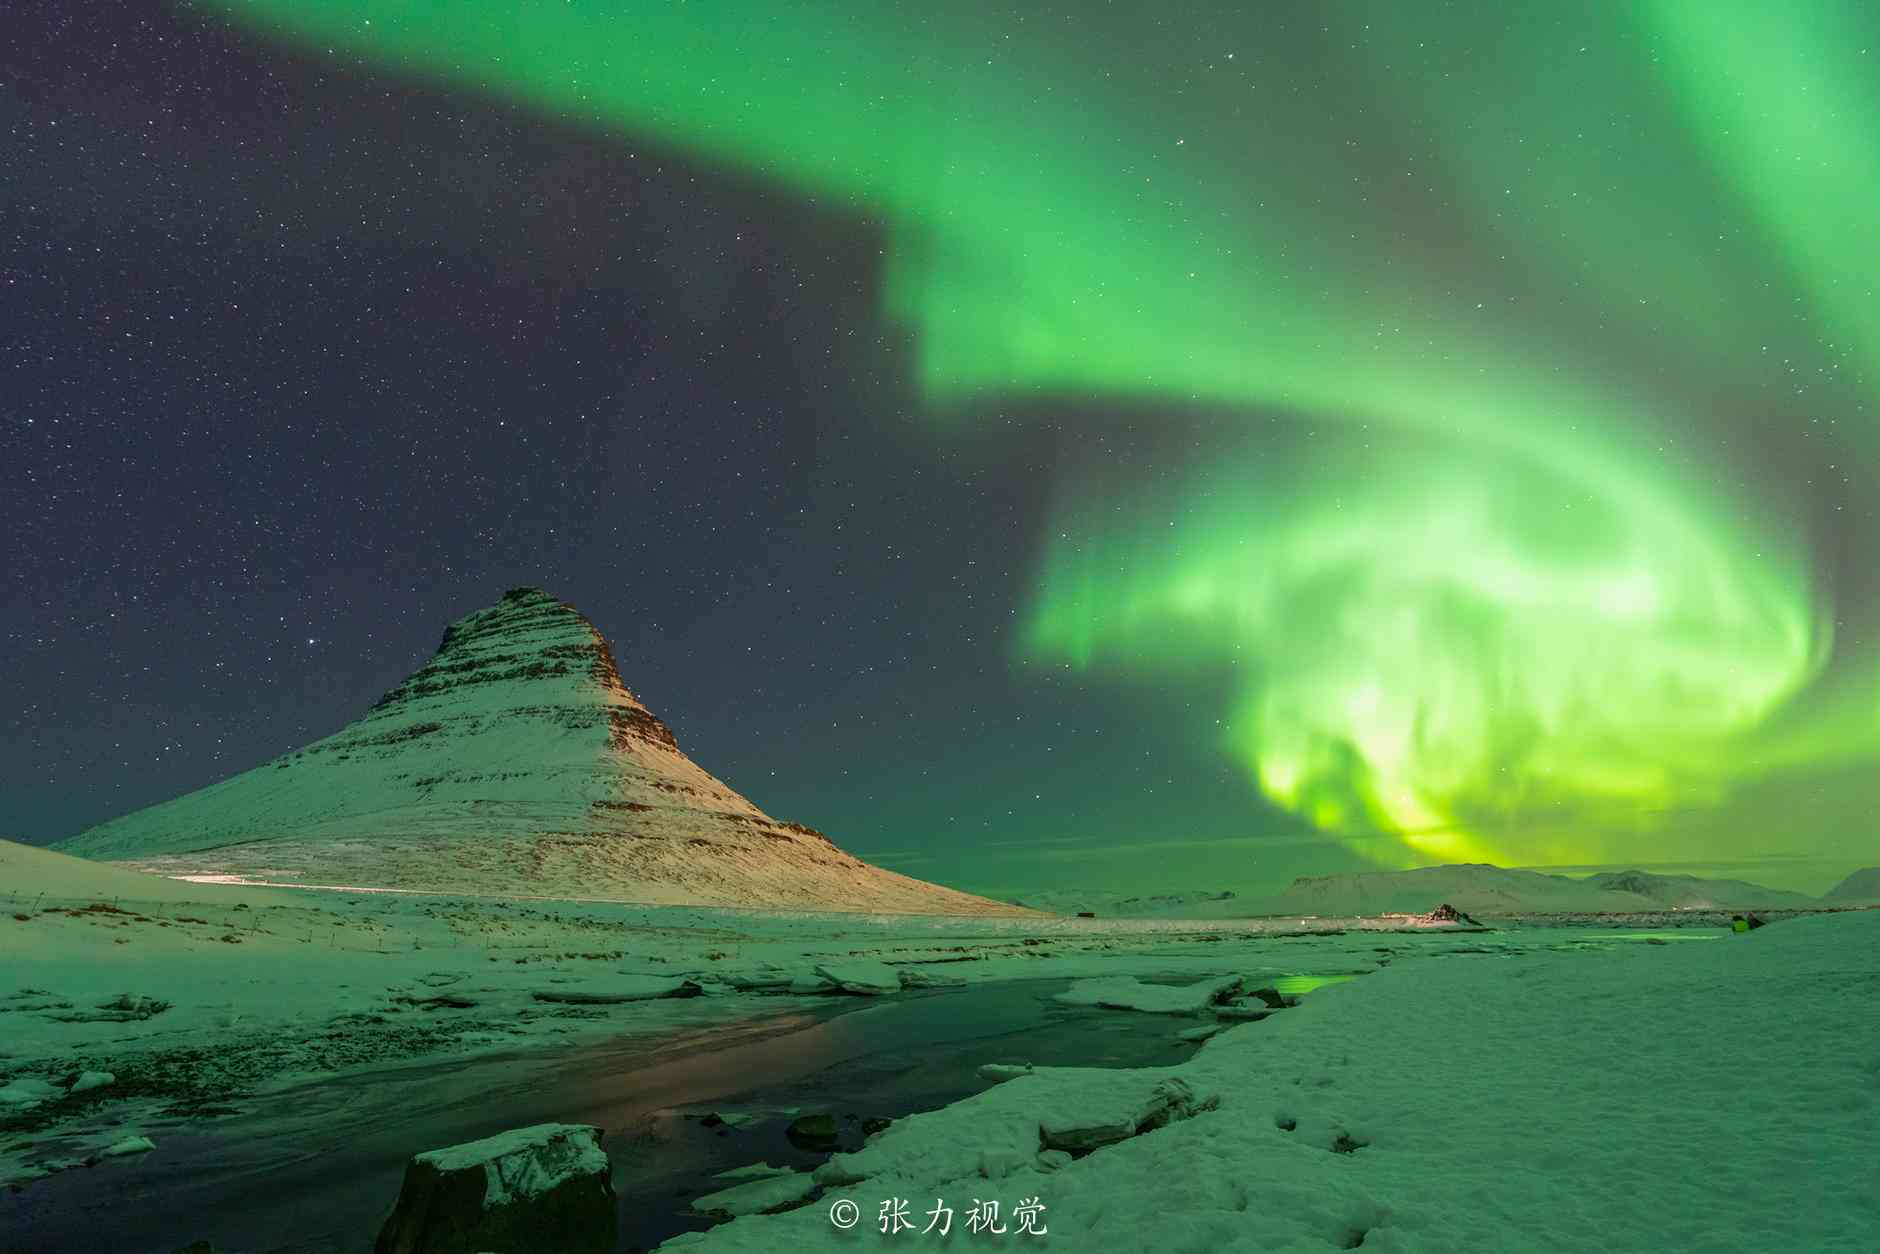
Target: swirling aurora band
x,y
1505,310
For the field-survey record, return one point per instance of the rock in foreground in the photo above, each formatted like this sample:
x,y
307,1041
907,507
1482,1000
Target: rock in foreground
x,y
538,1190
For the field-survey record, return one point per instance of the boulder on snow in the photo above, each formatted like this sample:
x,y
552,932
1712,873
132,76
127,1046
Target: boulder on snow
x,y
867,979
812,1132
543,1188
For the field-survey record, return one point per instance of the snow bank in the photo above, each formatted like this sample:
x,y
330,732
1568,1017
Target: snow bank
x,y
1043,1108
1719,1095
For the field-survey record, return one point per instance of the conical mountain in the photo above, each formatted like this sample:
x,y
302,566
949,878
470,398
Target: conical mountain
x,y
514,762
1860,887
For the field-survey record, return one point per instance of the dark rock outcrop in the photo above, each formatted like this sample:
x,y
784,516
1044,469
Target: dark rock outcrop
x,y
812,1132
539,1190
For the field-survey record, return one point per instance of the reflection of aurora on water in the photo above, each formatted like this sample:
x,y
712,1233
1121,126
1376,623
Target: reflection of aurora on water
x,y
1527,364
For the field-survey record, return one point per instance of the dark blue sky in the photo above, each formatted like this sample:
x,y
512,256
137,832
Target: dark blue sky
x,y
302,362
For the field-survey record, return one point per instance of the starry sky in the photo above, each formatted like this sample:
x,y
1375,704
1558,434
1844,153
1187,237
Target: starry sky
x,y
1120,446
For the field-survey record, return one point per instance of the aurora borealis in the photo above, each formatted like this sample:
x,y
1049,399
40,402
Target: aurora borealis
x,y
1458,418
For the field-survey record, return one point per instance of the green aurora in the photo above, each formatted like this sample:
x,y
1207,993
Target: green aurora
x,y
1530,352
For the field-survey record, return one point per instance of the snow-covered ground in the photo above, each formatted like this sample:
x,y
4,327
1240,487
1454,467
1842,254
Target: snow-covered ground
x,y
1715,1094
188,994
1537,1088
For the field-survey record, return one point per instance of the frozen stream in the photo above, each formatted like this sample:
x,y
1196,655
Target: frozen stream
x,y
314,1169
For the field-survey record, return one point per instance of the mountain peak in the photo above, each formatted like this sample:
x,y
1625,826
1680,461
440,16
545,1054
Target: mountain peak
x,y
529,635
514,761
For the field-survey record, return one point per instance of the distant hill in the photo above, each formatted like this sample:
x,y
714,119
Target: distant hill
x,y
1115,905
1859,889
29,874
1476,888
1688,892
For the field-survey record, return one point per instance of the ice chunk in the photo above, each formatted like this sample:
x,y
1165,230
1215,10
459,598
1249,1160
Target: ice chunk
x,y
871,979
25,1093
753,1171
128,1145
754,1197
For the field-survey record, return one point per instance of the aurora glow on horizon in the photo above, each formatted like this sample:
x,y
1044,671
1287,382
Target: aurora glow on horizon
x,y
1521,365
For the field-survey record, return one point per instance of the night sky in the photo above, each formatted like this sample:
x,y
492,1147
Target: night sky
x,y
1116,446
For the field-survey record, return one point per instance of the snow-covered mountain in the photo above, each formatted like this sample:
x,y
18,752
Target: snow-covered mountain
x,y
1860,888
1476,888
1691,892
513,762
1483,889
